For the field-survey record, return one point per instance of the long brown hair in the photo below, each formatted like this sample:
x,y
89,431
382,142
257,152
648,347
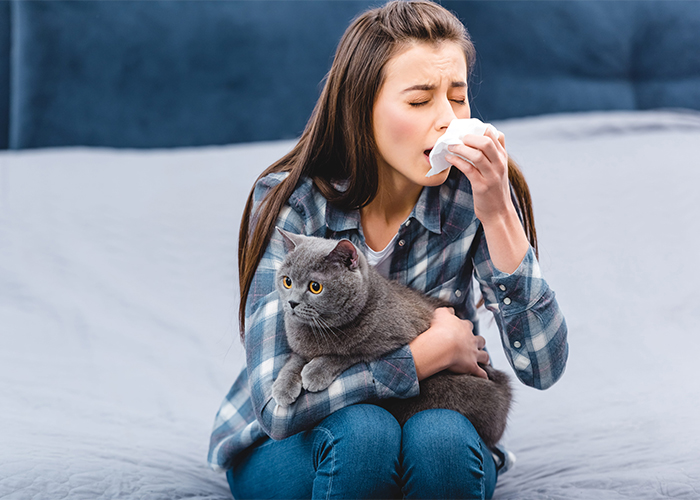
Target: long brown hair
x,y
338,141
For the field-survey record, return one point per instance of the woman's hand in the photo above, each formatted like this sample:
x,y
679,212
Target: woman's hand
x,y
487,171
449,344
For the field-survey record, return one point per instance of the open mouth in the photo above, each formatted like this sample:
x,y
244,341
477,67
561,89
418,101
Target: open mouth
x,y
426,154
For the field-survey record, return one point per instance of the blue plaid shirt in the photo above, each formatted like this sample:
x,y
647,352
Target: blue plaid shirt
x,y
439,248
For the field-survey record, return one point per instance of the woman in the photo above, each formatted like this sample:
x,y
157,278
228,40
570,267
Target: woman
x,y
359,172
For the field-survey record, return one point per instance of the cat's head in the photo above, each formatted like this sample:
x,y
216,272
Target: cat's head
x,y
322,283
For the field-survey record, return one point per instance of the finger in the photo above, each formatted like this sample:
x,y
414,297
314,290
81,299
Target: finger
x,y
486,145
481,373
480,341
470,150
497,136
440,311
483,357
466,166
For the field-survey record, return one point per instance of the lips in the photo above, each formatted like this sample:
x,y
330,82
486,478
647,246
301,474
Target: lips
x,y
426,153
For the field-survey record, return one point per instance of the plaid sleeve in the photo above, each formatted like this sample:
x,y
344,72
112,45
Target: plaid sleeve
x,y
532,326
235,427
267,349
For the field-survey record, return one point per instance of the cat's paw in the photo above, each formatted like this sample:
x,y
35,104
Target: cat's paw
x,y
286,390
317,375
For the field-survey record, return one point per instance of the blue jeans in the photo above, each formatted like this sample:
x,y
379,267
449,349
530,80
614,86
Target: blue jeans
x,y
361,452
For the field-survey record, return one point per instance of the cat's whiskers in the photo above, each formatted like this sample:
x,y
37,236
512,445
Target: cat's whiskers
x,y
323,330
329,328
317,333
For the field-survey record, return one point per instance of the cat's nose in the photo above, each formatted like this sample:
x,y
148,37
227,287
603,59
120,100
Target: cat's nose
x,y
293,303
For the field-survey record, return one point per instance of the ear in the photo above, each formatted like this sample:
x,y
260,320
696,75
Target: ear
x,y
345,253
290,240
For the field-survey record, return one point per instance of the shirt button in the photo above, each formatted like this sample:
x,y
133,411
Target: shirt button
x,y
401,243
506,301
458,293
407,223
502,287
516,344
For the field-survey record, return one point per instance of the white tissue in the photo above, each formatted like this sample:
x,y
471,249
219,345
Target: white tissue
x,y
454,135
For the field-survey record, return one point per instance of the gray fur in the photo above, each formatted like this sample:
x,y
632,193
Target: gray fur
x,y
360,316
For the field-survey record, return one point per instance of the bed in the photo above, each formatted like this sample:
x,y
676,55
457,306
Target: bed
x,y
118,237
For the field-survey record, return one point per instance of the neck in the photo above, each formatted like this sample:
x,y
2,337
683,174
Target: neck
x,y
382,218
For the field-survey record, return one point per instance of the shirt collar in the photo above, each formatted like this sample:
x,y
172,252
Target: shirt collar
x,y
427,210
447,209
338,220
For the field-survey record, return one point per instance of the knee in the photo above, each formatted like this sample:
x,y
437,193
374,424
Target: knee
x,y
356,453
441,431
443,457
361,428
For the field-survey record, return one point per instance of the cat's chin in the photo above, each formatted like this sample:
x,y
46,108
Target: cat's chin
x,y
298,319
305,322
300,315
310,321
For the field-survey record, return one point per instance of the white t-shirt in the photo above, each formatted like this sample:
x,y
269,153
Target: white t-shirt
x,y
381,260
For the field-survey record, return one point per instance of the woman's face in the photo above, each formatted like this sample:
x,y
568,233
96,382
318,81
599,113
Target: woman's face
x,y
425,88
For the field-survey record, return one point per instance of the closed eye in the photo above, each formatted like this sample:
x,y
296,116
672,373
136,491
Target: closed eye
x,y
461,102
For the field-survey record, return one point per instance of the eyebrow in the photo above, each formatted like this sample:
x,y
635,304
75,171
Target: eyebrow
x,y
433,87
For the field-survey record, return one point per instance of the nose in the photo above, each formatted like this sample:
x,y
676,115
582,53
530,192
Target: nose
x,y
445,114
293,303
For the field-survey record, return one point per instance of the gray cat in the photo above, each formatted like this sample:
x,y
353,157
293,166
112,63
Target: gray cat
x,y
339,311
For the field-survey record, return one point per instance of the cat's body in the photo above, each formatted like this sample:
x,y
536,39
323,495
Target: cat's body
x,y
339,311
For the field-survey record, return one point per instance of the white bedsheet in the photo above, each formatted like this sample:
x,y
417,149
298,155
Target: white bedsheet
x,y
118,306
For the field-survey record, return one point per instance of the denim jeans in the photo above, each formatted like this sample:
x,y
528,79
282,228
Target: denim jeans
x,y
361,451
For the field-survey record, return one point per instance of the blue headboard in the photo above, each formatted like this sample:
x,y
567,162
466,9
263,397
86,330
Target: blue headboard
x,y
4,73
167,73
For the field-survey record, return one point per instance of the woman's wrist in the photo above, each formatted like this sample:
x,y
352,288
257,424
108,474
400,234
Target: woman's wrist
x,y
506,240
428,357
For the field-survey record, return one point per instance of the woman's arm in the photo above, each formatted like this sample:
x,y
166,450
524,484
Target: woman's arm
x,y
533,329
493,205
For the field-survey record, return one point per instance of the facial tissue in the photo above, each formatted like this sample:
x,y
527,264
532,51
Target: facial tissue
x,y
454,134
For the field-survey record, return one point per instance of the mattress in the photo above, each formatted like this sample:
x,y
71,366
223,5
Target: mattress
x,y
118,312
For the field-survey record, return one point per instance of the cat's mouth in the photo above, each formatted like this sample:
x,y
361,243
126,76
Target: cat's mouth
x,y
299,314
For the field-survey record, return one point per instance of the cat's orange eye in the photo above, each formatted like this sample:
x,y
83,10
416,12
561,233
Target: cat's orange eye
x,y
287,282
315,287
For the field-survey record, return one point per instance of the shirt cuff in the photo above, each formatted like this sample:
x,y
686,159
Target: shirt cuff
x,y
394,375
519,291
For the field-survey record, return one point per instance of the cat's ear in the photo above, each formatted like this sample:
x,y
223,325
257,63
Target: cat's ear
x,y
290,240
345,253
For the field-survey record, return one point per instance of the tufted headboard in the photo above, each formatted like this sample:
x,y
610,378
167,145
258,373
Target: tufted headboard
x,y
168,73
